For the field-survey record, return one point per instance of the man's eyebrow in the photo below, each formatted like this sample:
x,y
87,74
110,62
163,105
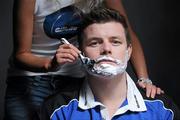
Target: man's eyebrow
x,y
94,38
114,37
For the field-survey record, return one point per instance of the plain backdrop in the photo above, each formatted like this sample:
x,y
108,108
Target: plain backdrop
x,y
156,23
5,45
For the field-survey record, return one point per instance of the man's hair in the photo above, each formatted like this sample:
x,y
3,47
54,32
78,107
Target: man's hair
x,y
102,15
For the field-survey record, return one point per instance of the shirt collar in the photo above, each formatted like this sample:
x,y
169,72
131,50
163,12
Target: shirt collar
x,y
86,97
135,100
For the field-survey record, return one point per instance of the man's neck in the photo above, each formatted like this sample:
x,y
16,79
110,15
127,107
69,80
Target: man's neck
x,y
111,93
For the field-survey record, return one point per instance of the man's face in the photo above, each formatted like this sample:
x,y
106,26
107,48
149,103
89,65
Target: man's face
x,y
107,39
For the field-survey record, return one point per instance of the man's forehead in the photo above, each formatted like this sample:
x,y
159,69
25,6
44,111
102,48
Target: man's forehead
x,y
103,29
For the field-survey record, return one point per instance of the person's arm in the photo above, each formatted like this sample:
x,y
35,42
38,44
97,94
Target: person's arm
x,y
22,31
137,57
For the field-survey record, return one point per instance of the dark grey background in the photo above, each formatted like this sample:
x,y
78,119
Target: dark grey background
x,y
5,45
156,23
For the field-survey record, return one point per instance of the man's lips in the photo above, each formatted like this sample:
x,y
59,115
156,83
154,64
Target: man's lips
x,y
107,61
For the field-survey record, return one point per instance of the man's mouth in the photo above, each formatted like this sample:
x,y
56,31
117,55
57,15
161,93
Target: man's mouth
x,y
106,60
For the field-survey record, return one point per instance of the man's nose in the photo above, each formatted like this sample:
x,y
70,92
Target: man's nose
x,y
105,48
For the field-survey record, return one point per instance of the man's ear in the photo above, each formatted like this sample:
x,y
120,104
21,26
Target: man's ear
x,y
129,50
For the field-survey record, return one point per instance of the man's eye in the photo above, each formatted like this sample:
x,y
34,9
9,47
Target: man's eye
x,y
116,42
93,43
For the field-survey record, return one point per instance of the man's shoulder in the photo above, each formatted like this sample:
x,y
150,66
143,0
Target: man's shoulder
x,y
164,98
61,97
161,101
55,101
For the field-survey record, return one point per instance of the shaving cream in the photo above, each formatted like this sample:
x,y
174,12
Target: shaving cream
x,y
106,69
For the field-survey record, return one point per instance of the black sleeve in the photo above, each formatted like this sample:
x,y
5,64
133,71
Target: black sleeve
x,y
168,102
44,113
55,101
50,105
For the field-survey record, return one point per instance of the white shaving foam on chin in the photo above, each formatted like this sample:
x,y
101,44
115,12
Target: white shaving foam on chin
x,y
108,70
